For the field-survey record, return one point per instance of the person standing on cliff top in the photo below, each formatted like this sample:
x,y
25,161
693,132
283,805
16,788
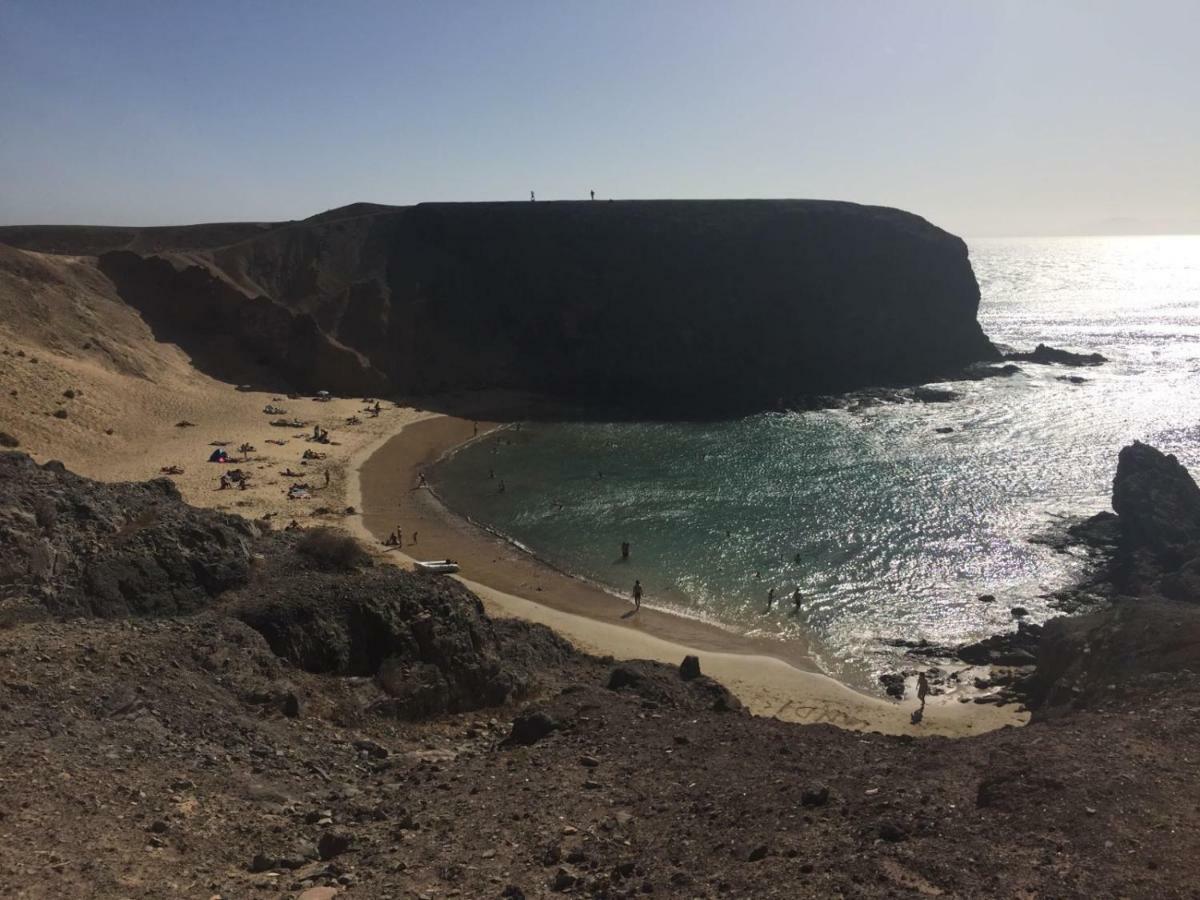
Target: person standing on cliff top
x,y
637,595
531,197
593,193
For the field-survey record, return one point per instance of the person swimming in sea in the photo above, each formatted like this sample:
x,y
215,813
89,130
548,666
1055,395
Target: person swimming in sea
x,y
770,599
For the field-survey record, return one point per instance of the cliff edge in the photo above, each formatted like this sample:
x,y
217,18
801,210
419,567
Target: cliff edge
x,y
669,308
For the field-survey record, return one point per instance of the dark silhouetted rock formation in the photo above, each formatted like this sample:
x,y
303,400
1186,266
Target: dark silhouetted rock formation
x,y
1158,517
670,308
1154,624
1047,355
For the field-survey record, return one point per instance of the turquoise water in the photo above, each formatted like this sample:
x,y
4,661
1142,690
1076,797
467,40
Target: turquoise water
x,y
888,528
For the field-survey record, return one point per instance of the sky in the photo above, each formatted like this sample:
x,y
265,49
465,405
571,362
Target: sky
x,y
987,117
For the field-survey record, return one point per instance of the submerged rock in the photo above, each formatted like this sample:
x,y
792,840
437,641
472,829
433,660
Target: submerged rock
x,y
1047,355
934,395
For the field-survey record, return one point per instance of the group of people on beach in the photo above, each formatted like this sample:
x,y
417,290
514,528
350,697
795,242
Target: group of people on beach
x,y
396,538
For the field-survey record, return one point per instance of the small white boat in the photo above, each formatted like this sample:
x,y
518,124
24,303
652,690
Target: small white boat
x,y
437,566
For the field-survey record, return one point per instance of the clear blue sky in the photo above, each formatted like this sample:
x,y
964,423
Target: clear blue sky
x,y
985,116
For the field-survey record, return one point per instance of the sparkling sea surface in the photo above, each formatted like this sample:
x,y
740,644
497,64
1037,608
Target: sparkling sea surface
x,y
888,528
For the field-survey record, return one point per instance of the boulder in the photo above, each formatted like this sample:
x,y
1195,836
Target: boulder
x,y
689,668
333,842
1158,516
893,684
530,727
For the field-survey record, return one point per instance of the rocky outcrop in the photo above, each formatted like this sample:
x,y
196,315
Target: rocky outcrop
x,y
1158,517
424,640
1014,648
667,308
1084,658
1154,624
1053,356
71,546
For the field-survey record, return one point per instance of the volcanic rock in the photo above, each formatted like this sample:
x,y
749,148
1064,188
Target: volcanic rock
x,y
375,300
1053,356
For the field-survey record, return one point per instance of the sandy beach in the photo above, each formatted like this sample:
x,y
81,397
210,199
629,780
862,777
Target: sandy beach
x,y
120,427
771,678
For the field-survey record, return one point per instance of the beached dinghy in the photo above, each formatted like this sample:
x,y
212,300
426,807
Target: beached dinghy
x,y
437,566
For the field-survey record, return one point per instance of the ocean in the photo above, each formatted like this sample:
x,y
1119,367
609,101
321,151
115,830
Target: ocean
x,y
887,527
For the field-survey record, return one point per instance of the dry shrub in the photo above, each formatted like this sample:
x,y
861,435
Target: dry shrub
x,y
331,548
60,414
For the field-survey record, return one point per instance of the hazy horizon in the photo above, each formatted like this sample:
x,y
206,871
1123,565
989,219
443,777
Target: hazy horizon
x,y
1010,119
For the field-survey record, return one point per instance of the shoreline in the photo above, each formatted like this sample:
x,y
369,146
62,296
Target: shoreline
x,y
770,678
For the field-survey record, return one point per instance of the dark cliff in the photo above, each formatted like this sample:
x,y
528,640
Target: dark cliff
x,y
662,307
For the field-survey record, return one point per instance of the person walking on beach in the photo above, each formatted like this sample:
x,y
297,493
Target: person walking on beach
x,y
796,599
326,478
637,595
414,537
922,688
770,599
